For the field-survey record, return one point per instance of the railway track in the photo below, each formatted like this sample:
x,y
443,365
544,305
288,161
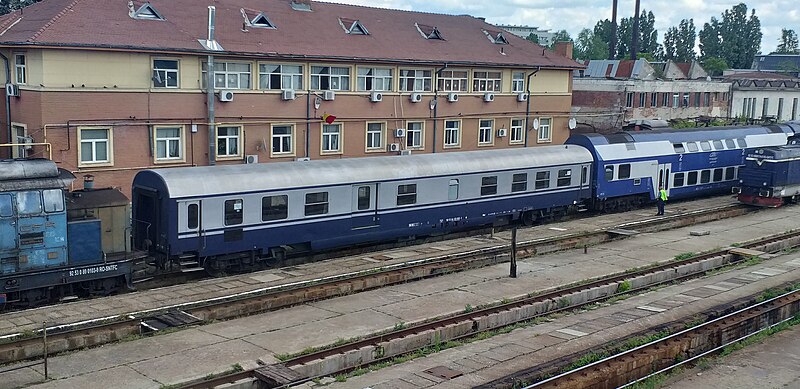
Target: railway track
x,y
340,358
90,333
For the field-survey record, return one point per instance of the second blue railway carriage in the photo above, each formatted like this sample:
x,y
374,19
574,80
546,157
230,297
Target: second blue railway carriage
x,y
228,216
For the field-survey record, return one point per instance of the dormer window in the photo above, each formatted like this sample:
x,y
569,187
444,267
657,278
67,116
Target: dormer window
x,y
259,21
429,32
146,12
301,5
353,27
496,37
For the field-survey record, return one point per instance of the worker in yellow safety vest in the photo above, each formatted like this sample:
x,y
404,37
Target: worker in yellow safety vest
x,y
661,199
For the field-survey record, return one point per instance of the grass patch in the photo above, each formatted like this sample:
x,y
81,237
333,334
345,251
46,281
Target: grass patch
x,y
683,256
624,286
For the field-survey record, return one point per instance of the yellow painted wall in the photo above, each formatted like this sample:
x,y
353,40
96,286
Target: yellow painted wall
x,y
551,81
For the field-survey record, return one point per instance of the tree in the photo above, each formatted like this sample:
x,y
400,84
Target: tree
x,y
735,38
788,42
679,42
560,36
533,38
648,35
715,66
648,41
590,46
7,6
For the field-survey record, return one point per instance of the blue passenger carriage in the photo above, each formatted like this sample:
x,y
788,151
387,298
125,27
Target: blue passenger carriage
x,y
770,176
230,216
631,165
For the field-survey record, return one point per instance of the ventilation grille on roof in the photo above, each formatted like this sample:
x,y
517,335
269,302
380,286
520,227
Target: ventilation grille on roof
x,y
145,12
429,32
353,27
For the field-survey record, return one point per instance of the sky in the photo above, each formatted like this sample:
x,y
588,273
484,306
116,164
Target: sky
x,y
574,15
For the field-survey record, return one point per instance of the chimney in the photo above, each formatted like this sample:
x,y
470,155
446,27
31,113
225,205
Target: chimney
x,y
564,48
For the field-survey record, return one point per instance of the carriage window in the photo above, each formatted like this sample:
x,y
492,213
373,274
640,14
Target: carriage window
x,y
519,182
488,185
452,190
691,146
742,143
624,171
730,173
731,145
363,198
705,176
316,203
677,182
691,179
584,175
542,180
407,194
233,212
678,148
29,203
5,206
609,172
53,200
192,216
718,145
274,207
718,174
705,146
564,177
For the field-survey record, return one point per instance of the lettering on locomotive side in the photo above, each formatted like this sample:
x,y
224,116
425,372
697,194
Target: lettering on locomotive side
x,y
92,270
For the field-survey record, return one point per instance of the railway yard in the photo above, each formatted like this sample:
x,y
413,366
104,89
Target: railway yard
x,y
586,289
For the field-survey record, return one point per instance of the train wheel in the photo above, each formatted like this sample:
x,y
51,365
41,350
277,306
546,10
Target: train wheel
x,y
529,218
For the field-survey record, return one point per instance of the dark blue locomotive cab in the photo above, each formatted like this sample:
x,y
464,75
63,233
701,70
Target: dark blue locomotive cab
x,y
631,165
770,176
39,262
229,216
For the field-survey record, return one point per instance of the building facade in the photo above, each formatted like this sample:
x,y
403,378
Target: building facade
x,y
107,90
765,96
545,36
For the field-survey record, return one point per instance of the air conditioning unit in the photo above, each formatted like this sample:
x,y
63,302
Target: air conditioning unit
x,y
405,152
452,97
329,95
416,97
522,97
376,97
28,143
501,132
400,133
302,159
394,146
226,95
488,97
12,90
287,94
252,158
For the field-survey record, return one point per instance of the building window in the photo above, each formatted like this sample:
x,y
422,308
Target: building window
x,y
707,99
486,81
642,99
19,69
169,143
20,137
452,81
375,136
452,190
374,79
665,100
542,180
415,80
229,75
407,194
765,107
676,100
518,82
485,132
488,185
316,203
697,99
519,182
544,130
95,145
280,77
452,133
517,132
654,100
228,141
794,108
330,78
629,100
282,142
780,108
234,212
165,73
685,100
331,138
274,207
414,131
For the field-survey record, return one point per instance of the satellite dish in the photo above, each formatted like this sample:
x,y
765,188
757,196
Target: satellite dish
x,y
536,124
572,123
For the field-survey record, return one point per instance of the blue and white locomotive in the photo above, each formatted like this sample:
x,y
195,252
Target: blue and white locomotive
x,y
43,256
770,176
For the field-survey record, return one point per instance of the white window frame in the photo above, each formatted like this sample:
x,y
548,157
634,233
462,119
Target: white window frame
x,y
420,79
545,131
629,100
289,78
482,81
485,132
167,140
517,132
448,82
365,75
452,133
163,73
372,136
517,82
227,139
221,69
280,137
19,151
410,137
109,142
20,69
328,138
676,100
343,80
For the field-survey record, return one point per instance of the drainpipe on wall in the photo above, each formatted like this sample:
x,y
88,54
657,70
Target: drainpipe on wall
x,y
436,103
212,127
308,121
528,102
8,100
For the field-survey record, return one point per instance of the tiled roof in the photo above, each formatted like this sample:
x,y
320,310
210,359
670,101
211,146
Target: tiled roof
x,y
684,67
298,34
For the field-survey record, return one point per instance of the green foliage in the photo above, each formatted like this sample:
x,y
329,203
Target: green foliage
x,y
560,36
648,37
735,38
533,38
679,42
624,286
787,44
468,308
590,46
7,6
715,65
683,256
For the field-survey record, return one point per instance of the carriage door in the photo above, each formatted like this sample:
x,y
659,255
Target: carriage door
x,y
663,177
146,213
190,221
364,212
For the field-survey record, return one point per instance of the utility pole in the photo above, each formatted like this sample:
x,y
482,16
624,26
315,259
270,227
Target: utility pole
x,y
513,270
635,40
612,48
